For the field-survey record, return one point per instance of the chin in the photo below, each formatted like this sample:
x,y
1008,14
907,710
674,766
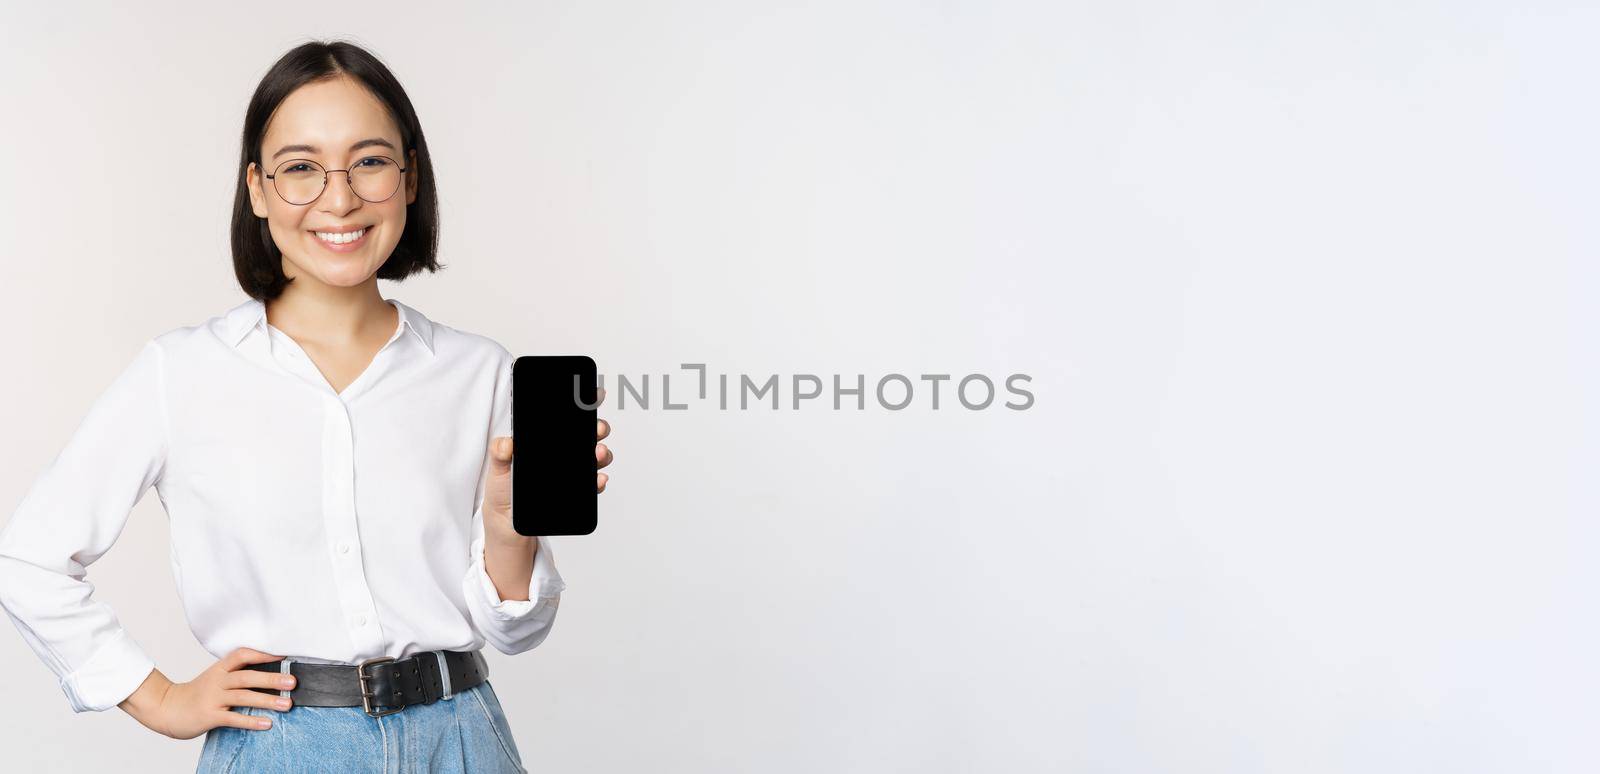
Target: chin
x,y
332,274
347,279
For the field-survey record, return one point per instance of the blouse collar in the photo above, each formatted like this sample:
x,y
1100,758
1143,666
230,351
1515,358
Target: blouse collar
x,y
252,314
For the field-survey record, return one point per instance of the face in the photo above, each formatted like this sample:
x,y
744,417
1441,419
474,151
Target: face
x,y
333,123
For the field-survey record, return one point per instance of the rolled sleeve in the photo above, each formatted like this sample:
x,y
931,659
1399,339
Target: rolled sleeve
x,y
546,585
68,519
513,626
111,675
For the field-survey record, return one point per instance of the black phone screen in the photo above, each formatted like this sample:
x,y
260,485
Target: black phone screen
x,y
553,418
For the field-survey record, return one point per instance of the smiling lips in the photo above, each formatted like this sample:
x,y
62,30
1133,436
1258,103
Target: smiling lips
x,y
342,241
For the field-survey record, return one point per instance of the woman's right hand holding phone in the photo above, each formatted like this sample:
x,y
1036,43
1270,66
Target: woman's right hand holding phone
x,y
187,710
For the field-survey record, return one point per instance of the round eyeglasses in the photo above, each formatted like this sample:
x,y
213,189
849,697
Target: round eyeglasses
x,y
373,178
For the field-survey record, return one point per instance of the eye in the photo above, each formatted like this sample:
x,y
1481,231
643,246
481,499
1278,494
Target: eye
x,y
297,168
373,162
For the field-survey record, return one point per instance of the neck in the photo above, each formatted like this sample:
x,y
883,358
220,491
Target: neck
x,y
330,315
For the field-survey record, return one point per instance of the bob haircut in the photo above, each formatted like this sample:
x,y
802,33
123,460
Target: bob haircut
x,y
257,261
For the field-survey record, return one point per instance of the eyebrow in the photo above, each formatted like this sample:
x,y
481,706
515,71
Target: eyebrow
x,y
367,143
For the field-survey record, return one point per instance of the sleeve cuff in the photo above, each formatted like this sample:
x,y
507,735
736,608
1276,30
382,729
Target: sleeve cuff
x,y
111,675
546,584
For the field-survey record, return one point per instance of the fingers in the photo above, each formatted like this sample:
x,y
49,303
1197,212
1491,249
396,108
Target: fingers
x,y
241,720
255,678
599,396
244,697
602,454
241,656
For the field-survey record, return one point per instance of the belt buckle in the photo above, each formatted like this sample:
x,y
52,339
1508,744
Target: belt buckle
x,y
366,695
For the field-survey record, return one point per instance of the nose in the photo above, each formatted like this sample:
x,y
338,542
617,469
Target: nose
x,y
338,197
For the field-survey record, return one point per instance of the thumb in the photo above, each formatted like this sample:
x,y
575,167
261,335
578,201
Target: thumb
x,y
500,453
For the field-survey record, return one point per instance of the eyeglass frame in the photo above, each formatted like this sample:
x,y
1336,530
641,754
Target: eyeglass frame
x,y
325,172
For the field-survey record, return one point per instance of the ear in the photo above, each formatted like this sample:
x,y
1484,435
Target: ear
x,y
411,178
258,199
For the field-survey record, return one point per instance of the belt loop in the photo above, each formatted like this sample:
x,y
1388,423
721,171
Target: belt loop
x,y
283,669
444,674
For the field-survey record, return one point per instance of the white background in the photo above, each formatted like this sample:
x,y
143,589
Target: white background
x,y
1306,291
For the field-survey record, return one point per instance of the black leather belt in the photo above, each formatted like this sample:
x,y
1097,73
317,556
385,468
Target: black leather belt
x,y
380,682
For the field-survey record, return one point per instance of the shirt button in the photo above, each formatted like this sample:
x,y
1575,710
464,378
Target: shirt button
x,y
344,548
361,620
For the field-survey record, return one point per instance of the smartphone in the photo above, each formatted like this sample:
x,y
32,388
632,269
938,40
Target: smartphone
x,y
553,421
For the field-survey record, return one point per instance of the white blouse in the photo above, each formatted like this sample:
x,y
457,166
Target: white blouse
x,y
324,526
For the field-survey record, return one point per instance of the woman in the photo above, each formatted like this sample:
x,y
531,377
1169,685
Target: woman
x,y
335,467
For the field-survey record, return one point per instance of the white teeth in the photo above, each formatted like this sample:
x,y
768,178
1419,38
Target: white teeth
x,y
340,239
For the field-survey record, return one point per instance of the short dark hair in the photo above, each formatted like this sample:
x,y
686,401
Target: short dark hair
x,y
257,261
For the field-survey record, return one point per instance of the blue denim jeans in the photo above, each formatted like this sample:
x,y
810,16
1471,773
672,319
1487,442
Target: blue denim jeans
x,y
466,733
